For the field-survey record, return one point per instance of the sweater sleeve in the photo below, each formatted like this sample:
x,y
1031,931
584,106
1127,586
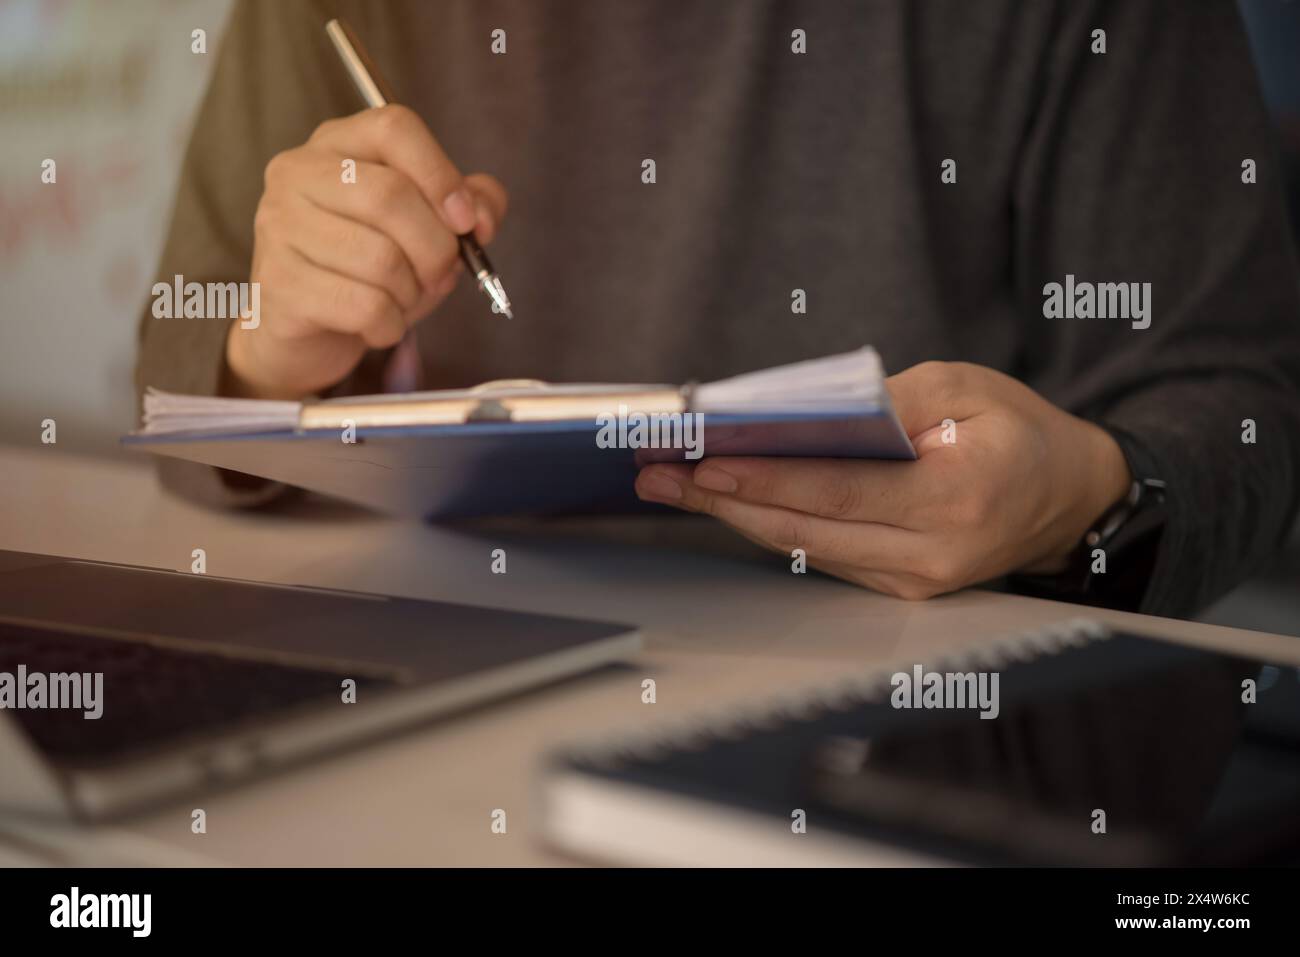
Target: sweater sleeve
x,y
1153,162
275,80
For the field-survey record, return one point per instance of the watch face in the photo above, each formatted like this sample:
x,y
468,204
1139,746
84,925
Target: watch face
x,y
1113,564
1146,498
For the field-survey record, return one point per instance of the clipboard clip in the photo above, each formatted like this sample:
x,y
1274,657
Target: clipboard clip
x,y
687,392
502,384
489,408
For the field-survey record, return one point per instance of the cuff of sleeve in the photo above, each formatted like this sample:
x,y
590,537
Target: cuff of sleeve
x,y
1166,594
218,487
190,360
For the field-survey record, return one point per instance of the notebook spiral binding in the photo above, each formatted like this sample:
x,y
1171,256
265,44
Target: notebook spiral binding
x,y
696,732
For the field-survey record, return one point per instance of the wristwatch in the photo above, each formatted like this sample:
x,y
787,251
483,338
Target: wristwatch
x,y
1128,536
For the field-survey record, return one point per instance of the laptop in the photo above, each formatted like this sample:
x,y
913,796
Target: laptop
x,y
121,686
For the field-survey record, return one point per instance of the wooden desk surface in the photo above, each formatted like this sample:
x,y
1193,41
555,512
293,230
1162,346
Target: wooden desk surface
x,y
722,621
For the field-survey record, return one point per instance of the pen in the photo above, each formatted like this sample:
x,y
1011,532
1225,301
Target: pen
x,y
376,92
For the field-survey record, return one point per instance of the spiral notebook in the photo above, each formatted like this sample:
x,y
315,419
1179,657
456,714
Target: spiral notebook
x,y
1154,735
529,446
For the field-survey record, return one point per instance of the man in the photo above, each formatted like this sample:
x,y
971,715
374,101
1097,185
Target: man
x,y
974,183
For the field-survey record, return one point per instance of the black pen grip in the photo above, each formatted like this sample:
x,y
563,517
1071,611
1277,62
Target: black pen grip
x,y
475,258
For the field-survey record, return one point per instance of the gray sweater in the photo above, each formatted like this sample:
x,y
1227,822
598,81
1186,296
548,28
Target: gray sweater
x,y
821,171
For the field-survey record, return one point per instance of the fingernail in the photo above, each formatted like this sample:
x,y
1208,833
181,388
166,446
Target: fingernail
x,y
714,479
459,210
447,285
486,226
658,487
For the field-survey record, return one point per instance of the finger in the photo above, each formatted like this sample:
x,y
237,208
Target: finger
x,y
383,199
396,136
865,544
893,493
351,248
901,567
310,298
489,202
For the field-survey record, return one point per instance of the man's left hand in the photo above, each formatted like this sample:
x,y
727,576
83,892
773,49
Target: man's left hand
x,y
1004,482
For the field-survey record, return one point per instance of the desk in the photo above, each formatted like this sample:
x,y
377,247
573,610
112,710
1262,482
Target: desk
x,y
722,621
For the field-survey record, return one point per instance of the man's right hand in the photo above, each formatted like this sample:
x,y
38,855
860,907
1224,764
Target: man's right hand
x,y
350,266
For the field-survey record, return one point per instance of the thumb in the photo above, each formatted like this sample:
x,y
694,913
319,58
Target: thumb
x,y
930,392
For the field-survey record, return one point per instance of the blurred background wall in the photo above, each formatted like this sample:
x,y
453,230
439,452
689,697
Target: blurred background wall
x,y
108,89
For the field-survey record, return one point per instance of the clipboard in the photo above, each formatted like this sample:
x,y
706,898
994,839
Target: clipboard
x,y
523,446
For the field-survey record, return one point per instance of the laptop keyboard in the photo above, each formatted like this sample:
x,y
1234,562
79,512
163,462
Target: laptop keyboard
x,y
150,695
